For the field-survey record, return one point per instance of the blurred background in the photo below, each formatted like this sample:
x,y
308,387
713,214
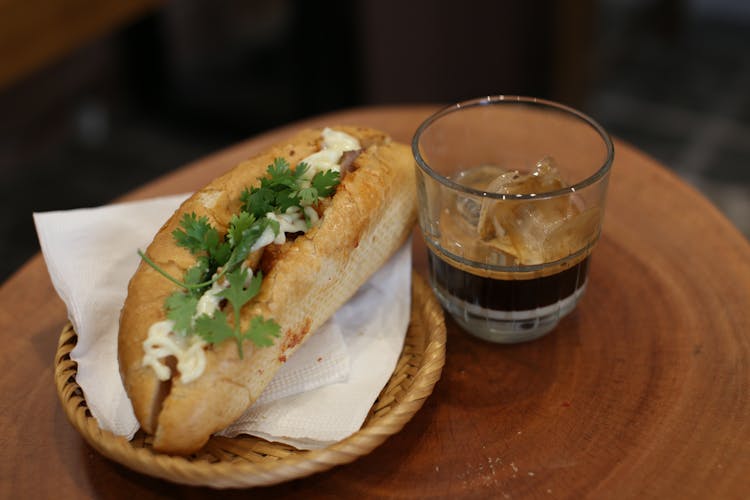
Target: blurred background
x,y
97,97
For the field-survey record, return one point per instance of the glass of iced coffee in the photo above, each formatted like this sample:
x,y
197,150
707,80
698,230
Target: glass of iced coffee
x,y
511,199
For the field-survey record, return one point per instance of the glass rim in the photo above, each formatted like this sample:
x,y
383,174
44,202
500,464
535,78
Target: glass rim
x,y
513,99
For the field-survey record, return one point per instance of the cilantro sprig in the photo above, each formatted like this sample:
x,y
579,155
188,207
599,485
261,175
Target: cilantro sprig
x,y
284,188
217,328
215,257
200,238
219,256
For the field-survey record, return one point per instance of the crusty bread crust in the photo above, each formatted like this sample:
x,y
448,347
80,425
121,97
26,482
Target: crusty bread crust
x,y
370,216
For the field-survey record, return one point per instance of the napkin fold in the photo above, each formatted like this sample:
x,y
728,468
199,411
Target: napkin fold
x,y
321,395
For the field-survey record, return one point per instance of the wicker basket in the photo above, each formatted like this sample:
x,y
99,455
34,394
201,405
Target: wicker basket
x,y
247,461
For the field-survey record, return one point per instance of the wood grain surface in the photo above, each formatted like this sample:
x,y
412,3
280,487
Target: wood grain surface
x,y
642,392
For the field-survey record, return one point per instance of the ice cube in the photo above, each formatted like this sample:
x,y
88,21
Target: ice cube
x,y
547,175
574,233
521,228
460,238
544,178
468,206
531,225
511,231
469,209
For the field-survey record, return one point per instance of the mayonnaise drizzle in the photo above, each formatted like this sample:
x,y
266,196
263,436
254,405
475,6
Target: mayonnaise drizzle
x,y
329,158
163,341
189,350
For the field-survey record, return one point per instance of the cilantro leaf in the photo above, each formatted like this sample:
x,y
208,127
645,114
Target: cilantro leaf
x,y
248,238
213,329
220,253
180,309
198,272
287,199
308,196
301,170
279,169
258,201
325,183
200,237
194,233
237,293
261,331
238,225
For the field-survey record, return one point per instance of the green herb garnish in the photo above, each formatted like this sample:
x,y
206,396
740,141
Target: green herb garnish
x,y
219,257
217,329
181,309
284,188
200,238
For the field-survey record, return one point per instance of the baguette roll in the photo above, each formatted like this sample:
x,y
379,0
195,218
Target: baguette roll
x,y
305,280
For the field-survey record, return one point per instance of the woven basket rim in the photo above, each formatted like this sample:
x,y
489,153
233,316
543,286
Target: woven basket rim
x,y
427,321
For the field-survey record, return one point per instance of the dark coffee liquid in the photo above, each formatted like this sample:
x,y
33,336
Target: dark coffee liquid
x,y
507,294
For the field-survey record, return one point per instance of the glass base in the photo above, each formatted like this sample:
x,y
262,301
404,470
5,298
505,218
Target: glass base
x,y
508,327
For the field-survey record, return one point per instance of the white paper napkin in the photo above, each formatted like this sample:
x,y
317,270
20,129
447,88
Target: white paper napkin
x,y
321,395
373,323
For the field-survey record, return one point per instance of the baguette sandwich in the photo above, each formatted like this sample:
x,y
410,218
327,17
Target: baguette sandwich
x,y
248,267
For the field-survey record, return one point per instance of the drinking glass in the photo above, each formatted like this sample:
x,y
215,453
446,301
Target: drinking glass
x,y
511,199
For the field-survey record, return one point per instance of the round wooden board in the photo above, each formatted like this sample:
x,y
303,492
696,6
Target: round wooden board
x,y
643,392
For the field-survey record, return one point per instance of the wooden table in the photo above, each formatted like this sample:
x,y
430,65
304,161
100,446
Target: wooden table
x,y
644,391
